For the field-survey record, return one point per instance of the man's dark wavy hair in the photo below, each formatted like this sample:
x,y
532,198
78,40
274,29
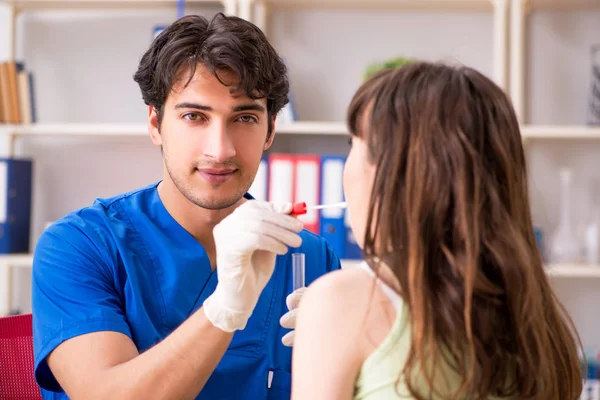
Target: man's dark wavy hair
x,y
224,43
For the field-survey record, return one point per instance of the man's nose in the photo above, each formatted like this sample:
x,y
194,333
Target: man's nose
x,y
218,145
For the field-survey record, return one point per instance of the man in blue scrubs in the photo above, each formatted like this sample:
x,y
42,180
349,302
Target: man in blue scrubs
x,y
176,290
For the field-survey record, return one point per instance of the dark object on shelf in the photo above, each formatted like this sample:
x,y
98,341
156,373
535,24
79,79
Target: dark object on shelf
x,y
539,240
594,96
15,205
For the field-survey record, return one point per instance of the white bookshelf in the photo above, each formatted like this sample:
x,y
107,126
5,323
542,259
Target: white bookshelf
x,y
519,10
293,128
371,4
386,4
101,129
560,132
312,128
256,10
16,260
351,263
573,271
107,129
562,3
28,5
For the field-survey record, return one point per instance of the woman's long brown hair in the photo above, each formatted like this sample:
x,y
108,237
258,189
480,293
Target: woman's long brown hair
x,y
449,214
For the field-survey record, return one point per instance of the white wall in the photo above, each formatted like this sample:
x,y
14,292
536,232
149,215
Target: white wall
x,y
84,65
327,51
3,39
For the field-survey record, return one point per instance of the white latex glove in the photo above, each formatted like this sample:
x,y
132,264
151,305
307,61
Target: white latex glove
x,y
247,242
288,320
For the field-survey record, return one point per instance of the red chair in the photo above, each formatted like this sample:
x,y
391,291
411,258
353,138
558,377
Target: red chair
x,y
17,379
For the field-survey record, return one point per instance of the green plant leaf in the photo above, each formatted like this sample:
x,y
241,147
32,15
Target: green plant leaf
x,y
395,62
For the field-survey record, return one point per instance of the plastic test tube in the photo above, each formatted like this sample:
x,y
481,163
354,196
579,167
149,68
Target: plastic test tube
x,y
298,261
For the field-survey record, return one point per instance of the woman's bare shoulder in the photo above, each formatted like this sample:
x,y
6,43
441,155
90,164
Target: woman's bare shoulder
x,y
342,287
351,301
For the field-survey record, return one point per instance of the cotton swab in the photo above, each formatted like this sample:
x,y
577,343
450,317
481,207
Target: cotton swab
x,y
301,208
334,205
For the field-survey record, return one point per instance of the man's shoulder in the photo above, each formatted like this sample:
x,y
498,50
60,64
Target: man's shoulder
x,y
130,197
106,205
317,246
102,214
311,240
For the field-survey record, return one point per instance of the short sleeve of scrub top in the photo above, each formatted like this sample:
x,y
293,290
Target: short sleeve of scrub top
x,y
73,291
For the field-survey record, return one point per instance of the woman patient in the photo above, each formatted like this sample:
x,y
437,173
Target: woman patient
x,y
452,301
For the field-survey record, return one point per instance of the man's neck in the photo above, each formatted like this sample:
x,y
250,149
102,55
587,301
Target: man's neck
x,y
198,221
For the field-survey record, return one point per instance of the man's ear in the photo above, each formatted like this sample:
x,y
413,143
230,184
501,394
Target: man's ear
x,y
153,126
269,141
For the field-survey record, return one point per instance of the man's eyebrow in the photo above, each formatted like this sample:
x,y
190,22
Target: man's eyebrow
x,y
249,107
194,105
243,107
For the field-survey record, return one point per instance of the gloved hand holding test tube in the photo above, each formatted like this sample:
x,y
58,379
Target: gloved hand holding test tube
x,y
288,320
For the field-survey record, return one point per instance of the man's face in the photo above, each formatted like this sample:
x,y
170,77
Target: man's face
x,y
212,140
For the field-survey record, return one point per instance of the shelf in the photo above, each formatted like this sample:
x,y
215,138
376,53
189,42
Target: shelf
x,y
386,4
351,263
528,131
77,130
16,260
554,271
558,271
101,129
23,5
573,271
560,132
540,4
294,128
312,128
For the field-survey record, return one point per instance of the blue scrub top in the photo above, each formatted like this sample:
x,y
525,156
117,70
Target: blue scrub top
x,y
125,265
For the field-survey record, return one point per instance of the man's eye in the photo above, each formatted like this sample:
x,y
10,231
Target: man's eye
x,y
192,116
248,119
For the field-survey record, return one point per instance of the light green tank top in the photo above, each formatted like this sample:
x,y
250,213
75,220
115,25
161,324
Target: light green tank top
x,y
379,377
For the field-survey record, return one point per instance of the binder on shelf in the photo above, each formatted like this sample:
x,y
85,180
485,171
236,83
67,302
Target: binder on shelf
x,y
258,190
281,178
332,227
351,249
307,188
157,30
287,114
15,205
